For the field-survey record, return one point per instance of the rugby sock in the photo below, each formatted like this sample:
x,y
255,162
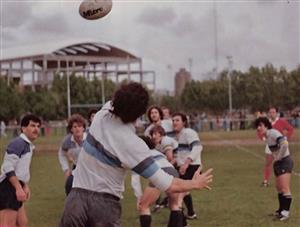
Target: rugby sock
x,y
280,196
145,220
286,202
184,222
189,204
175,219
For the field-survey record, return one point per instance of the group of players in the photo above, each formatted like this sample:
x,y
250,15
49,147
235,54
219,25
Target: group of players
x,y
168,155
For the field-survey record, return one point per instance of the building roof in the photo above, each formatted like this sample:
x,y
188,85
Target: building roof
x,y
95,49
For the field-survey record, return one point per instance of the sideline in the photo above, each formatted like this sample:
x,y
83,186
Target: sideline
x,y
239,147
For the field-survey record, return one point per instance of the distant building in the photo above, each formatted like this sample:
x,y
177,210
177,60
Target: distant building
x,y
181,78
35,67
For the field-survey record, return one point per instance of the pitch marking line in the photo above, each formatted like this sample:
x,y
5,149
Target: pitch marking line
x,y
246,150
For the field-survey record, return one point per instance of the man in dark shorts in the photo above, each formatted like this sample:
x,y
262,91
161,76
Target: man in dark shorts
x,y
282,165
15,175
188,159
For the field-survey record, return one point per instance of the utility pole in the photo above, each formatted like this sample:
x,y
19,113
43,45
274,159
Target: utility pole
x,y
230,63
216,38
68,89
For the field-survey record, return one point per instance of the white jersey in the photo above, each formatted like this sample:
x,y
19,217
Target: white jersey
x,y
110,149
277,143
188,147
69,151
167,143
167,125
161,161
17,159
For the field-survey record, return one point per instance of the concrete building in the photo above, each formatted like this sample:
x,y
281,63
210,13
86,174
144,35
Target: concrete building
x,y
34,66
181,79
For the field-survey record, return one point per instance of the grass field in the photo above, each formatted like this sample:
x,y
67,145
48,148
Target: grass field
x,y
236,200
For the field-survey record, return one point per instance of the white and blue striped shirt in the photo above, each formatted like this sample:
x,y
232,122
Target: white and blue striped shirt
x,y
110,149
17,159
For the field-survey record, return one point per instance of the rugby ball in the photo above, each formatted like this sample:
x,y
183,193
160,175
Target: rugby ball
x,y
95,9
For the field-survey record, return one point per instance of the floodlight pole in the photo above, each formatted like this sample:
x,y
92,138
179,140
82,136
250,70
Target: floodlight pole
x,y
230,63
215,12
68,90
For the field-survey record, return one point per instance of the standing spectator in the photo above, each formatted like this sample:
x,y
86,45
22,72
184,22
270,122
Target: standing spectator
x,y
15,174
71,147
282,166
285,129
188,155
2,129
110,150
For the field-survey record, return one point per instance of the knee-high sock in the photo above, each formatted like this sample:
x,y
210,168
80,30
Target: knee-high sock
x,y
175,219
145,220
286,202
280,196
189,204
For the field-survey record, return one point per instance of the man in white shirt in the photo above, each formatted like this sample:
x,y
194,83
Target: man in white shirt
x,y
15,174
111,148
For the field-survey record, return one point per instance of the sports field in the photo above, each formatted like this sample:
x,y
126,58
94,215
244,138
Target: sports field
x,y
236,200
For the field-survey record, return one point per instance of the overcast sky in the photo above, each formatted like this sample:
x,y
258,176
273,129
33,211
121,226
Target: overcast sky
x,y
166,34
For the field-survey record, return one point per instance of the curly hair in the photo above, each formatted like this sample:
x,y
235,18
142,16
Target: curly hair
x,y
75,118
130,101
264,121
159,111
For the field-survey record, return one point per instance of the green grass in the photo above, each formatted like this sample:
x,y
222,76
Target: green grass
x,y
236,200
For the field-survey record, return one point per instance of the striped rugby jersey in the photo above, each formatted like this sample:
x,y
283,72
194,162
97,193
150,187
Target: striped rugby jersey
x,y
69,150
167,143
110,149
277,143
189,146
17,159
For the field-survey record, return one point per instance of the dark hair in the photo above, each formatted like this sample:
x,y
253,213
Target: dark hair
x,y
75,118
263,120
130,101
30,117
273,107
159,111
148,141
183,118
159,129
91,112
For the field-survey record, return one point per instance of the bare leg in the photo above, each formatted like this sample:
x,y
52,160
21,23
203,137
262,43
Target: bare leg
x,y
22,220
8,218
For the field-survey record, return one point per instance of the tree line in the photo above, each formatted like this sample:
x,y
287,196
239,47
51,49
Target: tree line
x,y
256,89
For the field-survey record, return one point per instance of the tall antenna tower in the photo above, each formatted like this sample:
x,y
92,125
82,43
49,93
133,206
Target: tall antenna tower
x,y
216,69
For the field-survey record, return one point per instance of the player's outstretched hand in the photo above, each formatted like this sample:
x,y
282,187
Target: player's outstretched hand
x,y
203,180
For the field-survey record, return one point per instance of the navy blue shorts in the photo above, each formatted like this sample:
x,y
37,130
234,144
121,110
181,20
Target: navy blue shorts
x,y
283,166
8,198
189,173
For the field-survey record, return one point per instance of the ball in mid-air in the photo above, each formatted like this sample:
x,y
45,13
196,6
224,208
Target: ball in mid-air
x,y
95,9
